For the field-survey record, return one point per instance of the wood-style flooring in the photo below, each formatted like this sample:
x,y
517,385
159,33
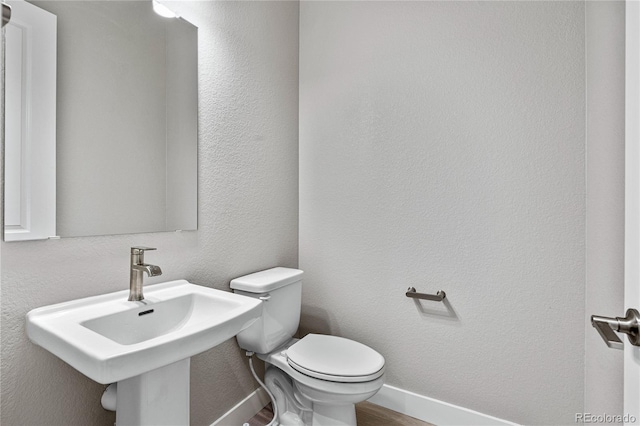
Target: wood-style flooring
x,y
368,414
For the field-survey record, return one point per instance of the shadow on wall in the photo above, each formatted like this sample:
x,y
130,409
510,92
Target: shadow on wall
x,y
443,310
319,321
316,320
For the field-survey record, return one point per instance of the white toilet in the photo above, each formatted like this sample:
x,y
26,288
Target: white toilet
x,y
315,380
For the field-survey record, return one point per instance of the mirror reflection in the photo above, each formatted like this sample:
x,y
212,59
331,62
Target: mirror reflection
x,y
125,126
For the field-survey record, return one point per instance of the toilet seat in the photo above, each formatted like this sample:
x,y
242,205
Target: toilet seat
x,y
335,359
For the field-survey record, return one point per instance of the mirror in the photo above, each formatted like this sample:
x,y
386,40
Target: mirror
x,y
125,119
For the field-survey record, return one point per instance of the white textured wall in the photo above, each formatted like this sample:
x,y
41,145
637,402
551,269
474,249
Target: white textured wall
x,y
442,146
248,220
605,23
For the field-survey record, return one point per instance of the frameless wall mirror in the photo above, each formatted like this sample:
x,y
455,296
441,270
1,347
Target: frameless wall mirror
x,y
116,106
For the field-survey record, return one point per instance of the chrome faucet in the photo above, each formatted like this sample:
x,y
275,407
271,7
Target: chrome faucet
x,y
137,268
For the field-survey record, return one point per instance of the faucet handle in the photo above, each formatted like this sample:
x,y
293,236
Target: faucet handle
x,y
140,249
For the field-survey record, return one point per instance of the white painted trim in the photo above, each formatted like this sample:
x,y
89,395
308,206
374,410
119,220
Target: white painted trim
x,y
431,410
30,123
632,202
245,409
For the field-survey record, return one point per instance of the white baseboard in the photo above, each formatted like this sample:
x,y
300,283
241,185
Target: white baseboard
x,y
412,404
431,410
245,409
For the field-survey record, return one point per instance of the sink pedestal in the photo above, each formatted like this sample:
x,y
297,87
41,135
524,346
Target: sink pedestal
x,y
159,397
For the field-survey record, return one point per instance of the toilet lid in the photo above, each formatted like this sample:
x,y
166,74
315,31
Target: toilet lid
x,y
335,358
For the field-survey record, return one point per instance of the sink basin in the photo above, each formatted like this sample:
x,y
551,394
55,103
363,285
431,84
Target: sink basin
x,y
109,339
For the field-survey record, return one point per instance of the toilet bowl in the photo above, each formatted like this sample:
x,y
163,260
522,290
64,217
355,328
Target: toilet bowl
x,y
315,380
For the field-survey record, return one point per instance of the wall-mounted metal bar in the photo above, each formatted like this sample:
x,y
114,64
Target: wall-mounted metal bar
x,y
6,14
438,297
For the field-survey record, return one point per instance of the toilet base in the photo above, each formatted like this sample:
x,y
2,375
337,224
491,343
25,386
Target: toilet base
x,y
291,410
295,409
334,415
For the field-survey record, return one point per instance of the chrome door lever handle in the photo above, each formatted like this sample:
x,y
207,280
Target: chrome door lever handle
x,y
630,325
6,14
606,332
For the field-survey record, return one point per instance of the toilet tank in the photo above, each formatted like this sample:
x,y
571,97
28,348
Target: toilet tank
x,y
281,292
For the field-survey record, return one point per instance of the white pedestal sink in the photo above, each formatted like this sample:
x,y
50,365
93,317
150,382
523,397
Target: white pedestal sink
x,y
144,346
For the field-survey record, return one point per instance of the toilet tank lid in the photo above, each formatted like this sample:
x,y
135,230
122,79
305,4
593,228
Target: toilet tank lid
x,y
264,281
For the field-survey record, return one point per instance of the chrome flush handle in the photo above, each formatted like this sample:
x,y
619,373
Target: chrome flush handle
x,y
630,325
